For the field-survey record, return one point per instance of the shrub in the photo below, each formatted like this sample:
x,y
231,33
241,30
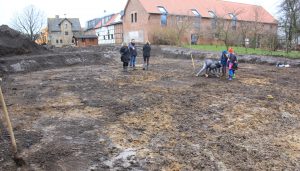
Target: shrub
x,y
165,36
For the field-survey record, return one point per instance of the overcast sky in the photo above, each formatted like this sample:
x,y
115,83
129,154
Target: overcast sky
x,y
88,9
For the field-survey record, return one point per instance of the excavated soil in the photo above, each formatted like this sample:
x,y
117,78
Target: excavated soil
x,y
13,42
96,117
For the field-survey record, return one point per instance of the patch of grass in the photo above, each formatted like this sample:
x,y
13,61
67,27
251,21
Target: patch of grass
x,y
248,51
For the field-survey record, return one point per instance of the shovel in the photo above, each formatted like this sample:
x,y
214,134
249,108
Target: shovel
x,y
19,161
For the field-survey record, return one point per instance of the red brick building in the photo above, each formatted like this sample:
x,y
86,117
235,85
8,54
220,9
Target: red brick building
x,y
143,18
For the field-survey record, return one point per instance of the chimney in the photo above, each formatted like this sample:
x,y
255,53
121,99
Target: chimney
x,y
57,16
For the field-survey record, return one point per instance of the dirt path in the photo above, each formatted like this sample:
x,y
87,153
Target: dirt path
x,y
99,118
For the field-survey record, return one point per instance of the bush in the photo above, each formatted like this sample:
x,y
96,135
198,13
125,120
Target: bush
x,y
164,36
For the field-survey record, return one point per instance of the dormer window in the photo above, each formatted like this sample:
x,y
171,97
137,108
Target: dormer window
x,y
163,17
162,10
233,21
197,18
196,13
213,20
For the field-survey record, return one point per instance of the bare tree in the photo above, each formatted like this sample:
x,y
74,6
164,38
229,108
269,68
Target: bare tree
x,y
289,21
244,29
257,26
29,22
226,28
181,25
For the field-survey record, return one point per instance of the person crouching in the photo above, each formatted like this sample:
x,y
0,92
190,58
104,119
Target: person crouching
x,y
210,66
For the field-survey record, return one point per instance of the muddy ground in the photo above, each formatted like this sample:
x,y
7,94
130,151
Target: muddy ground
x,y
96,117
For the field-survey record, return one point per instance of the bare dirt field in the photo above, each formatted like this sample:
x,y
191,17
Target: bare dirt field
x,y
96,117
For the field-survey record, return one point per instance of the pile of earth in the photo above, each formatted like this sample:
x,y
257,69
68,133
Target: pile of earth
x,y
13,42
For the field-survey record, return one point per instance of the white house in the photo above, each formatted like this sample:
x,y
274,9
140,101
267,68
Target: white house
x,y
110,32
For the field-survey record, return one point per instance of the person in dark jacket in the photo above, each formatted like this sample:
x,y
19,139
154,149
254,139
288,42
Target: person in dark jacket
x,y
146,55
125,56
133,53
224,59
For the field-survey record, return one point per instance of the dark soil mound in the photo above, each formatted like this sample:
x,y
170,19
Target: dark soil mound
x,y
13,42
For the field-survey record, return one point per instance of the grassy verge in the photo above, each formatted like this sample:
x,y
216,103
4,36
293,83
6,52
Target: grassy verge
x,y
248,51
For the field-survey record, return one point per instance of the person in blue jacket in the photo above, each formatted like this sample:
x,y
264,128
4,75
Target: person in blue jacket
x,y
133,53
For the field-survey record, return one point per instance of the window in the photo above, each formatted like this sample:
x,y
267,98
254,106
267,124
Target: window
x,y
66,33
233,21
112,36
213,20
73,41
56,41
66,26
132,17
197,18
61,41
194,39
103,37
108,37
217,35
163,17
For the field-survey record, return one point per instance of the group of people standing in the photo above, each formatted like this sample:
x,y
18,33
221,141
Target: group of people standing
x,y
229,59
129,54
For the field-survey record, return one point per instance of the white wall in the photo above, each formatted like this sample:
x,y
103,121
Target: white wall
x,y
106,35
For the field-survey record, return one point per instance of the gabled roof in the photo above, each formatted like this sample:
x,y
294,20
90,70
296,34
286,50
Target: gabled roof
x,y
54,24
221,8
115,18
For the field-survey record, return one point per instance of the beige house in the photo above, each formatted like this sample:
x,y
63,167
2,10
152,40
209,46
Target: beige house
x,y
202,20
62,30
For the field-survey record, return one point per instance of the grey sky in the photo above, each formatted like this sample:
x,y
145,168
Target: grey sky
x,y
88,9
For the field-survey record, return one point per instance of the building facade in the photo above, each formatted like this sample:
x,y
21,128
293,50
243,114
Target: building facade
x,y
110,32
203,21
62,30
85,40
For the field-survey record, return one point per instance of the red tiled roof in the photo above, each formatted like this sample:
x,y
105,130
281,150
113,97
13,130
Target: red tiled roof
x,y
222,8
